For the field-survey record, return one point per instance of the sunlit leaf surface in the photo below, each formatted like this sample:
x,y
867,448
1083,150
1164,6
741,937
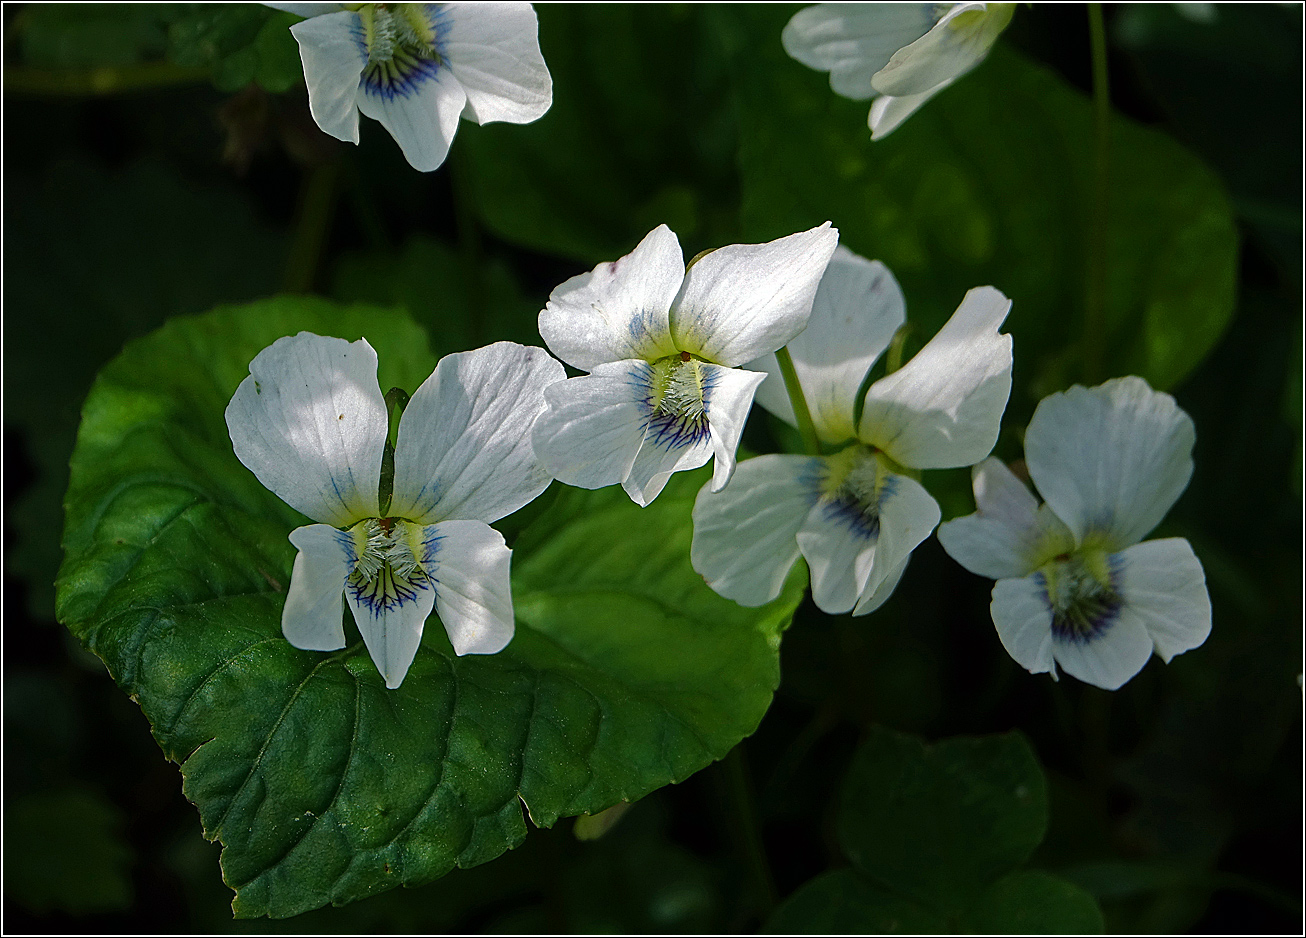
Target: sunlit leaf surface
x,y
626,672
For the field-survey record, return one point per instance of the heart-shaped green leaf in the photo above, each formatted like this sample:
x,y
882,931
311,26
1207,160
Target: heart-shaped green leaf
x,y
942,822
626,673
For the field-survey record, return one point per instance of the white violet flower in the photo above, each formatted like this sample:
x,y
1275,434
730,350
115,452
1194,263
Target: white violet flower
x,y
310,422
1075,587
661,344
856,515
898,54
418,67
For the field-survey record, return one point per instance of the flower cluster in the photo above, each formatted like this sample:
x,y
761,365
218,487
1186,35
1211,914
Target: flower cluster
x,y
672,358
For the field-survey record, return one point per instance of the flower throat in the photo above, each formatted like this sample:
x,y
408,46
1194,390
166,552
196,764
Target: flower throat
x,y
400,42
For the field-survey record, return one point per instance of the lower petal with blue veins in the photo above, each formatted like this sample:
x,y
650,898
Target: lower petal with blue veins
x,y
390,591
859,535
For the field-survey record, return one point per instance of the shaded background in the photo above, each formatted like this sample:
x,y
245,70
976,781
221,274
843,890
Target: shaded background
x,y
156,165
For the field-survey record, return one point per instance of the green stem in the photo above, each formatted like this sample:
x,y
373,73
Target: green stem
x,y
801,414
312,222
746,827
23,79
1096,272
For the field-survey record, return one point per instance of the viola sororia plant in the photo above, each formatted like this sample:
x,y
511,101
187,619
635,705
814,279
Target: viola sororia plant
x,y
310,421
856,514
410,494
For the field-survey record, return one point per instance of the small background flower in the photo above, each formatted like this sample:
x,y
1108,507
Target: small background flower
x,y
419,67
899,55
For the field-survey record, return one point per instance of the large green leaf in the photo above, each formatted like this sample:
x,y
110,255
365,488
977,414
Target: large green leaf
x,y
941,822
626,672
991,182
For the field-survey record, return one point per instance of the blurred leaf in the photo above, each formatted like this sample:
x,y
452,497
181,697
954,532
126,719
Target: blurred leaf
x,y
104,257
637,881
594,826
639,133
626,673
842,902
1120,879
461,307
64,851
238,42
990,183
89,35
941,822
1031,902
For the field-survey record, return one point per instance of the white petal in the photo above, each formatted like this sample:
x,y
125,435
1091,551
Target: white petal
x,y
493,49
1023,618
876,594
306,9
1000,496
1009,536
422,114
1109,659
464,444
854,41
888,111
592,426
313,615
744,300
727,397
668,447
839,554
956,44
619,310
392,630
1162,583
1110,460
745,536
944,407
334,58
851,556
469,563
908,514
858,308
310,423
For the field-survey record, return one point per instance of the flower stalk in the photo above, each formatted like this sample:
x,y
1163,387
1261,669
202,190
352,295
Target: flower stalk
x,y
795,390
1095,275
